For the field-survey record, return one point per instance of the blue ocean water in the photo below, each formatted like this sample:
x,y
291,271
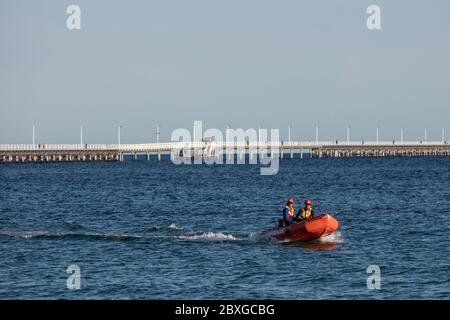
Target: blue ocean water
x,y
155,230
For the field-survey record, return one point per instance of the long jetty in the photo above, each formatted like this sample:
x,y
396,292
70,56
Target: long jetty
x,y
22,153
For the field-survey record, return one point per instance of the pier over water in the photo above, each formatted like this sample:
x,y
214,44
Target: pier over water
x,y
22,153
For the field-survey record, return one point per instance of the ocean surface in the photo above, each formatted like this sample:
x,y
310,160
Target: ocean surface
x,y
155,230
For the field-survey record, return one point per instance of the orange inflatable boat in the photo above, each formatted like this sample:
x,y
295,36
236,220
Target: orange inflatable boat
x,y
306,230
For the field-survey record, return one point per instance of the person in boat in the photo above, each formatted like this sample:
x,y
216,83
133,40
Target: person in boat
x,y
306,212
288,213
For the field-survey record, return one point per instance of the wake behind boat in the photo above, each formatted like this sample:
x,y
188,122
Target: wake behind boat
x,y
306,230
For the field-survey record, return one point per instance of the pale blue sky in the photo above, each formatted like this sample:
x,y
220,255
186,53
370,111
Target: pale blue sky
x,y
244,63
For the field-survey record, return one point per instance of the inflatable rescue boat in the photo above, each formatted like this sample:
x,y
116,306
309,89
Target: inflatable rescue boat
x,y
306,230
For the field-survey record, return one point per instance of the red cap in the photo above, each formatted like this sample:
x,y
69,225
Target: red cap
x,y
291,200
308,202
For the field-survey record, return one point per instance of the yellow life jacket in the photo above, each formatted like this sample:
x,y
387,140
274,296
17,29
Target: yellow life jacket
x,y
291,212
305,214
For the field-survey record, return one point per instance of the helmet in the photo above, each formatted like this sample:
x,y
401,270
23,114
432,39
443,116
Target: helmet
x,y
291,200
308,202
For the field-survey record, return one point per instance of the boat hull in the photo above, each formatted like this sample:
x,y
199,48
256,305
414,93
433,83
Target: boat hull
x,y
306,230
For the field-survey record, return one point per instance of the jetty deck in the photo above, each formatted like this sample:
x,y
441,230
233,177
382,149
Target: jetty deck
x,y
21,153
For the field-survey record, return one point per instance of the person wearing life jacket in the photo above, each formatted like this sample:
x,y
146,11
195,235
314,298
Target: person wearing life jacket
x,y
288,212
306,212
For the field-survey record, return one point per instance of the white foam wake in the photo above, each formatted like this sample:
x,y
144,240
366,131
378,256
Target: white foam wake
x,y
174,226
335,237
209,236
